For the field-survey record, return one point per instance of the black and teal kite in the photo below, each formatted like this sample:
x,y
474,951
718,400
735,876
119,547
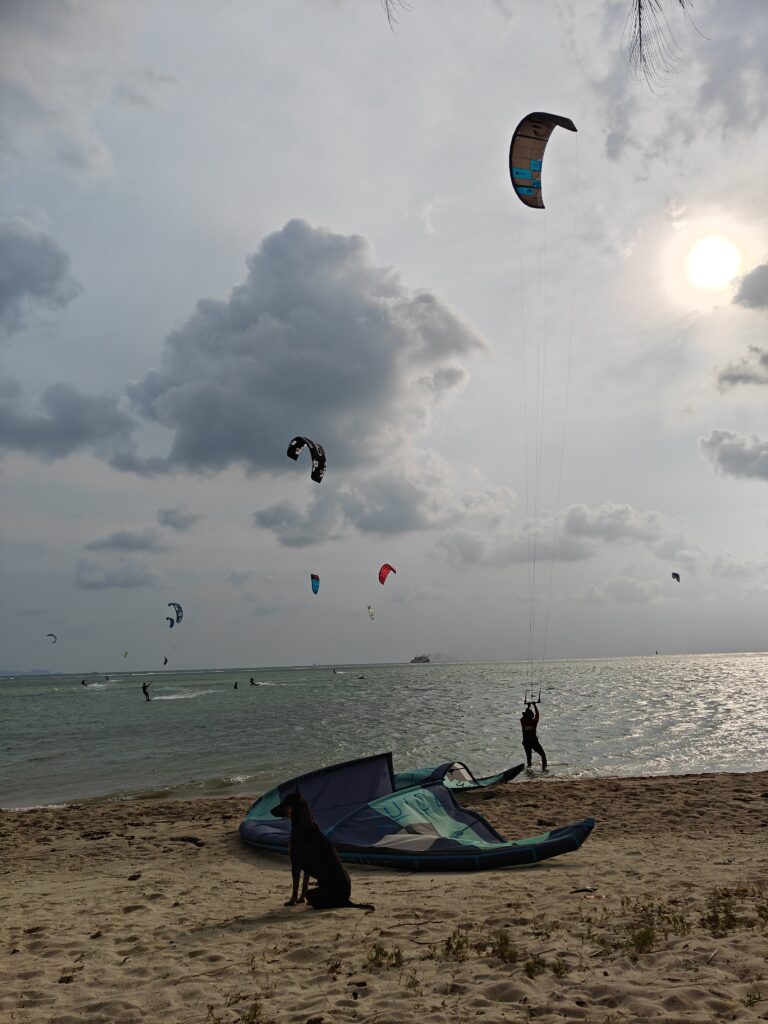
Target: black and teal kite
x,y
369,820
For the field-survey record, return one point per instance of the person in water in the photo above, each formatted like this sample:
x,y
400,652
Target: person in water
x,y
528,722
252,682
83,682
145,690
235,686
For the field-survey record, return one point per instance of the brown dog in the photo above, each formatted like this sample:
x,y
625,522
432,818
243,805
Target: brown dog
x,y
315,855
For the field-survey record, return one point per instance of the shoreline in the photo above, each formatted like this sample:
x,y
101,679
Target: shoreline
x,y
140,911
185,792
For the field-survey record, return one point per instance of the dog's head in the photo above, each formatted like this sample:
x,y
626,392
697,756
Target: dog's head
x,y
293,802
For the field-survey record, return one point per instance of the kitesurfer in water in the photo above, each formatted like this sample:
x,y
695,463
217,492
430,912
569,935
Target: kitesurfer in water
x,y
83,682
528,722
235,686
145,690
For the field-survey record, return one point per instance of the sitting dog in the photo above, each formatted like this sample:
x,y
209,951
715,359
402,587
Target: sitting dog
x,y
315,855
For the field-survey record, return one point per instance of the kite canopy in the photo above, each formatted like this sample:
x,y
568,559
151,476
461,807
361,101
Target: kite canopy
x,y
385,570
54,638
178,610
315,582
676,576
526,153
369,821
371,612
297,446
453,775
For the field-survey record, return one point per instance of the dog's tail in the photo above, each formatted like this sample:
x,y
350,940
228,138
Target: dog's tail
x,y
361,906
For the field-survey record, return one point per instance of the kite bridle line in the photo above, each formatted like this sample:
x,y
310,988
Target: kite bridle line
x,y
569,359
534,466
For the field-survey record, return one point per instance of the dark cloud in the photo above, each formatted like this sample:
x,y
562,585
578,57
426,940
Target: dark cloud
x,y
316,341
417,497
130,540
177,519
753,288
735,455
753,369
96,575
384,505
67,421
34,271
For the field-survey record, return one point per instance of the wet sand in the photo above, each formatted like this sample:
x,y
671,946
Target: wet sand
x,y
155,911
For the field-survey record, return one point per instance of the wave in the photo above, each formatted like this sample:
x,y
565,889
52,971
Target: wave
x,y
184,696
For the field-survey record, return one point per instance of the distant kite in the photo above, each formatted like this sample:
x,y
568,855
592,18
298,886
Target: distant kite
x,y
370,613
54,638
385,570
125,654
526,153
297,446
177,609
315,582
676,576
171,622
165,661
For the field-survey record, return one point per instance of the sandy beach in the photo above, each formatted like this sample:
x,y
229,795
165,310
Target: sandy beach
x,y
155,911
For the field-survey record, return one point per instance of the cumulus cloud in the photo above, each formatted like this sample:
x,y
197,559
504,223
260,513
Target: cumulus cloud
x,y
512,546
753,288
130,540
316,341
34,271
678,551
620,590
752,369
735,455
579,531
66,421
91,574
178,519
612,522
421,495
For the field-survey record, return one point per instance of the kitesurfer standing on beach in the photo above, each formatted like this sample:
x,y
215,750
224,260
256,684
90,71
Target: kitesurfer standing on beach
x,y
528,722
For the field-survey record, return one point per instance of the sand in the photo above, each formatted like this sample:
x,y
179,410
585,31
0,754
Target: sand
x,y
154,911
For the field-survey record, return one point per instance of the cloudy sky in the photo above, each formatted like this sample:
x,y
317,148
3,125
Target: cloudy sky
x,y
226,224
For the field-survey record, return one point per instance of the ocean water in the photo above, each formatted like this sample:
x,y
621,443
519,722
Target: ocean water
x,y
62,742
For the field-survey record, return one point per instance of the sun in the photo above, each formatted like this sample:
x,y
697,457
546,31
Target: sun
x,y
712,263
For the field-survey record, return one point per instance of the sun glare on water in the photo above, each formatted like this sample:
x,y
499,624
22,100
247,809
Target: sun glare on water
x,y
712,263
